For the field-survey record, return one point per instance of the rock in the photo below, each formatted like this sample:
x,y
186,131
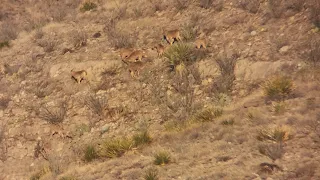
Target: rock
x,y
284,49
253,33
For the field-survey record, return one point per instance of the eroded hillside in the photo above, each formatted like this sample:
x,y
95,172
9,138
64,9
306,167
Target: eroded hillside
x,y
245,107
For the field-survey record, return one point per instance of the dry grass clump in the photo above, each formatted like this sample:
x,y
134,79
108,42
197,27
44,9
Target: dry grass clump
x,y
88,6
252,6
208,114
90,153
67,178
39,174
275,8
277,134
151,174
54,115
97,104
278,88
306,171
120,39
162,158
142,138
279,108
79,38
206,4
228,122
116,147
315,12
273,151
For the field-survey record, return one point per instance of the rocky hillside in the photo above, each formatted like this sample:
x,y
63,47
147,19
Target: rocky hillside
x,y
244,107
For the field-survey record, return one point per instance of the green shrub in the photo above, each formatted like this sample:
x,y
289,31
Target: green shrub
x,y
90,153
87,6
116,147
180,53
162,158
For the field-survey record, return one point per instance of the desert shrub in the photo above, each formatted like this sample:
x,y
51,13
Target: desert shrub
x,y
224,83
189,32
142,138
296,5
116,147
206,3
38,33
279,108
278,88
314,51
228,122
306,171
4,101
48,44
277,134
273,151
90,153
276,8
79,38
151,174
119,39
208,114
4,44
178,53
162,158
250,5
98,105
138,12
54,115
315,12
39,174
8,32
182,4
88,6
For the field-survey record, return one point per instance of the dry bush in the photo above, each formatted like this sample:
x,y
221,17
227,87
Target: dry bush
x,y
162,158
224,83
54,115
151,174
180,53
158,5
315,12
8,32
142,138
98,105
182,4
38,33
296,5
278,88
252,6
277,134
4,102
39,174
79,38
207,4
279,108
48,44
117,38
314,51
306,171
275,8
273,151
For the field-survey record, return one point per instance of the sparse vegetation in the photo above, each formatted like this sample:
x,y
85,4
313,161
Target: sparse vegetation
x,y
181,4
226,64
275,8
88,6
180,53
4,44
315,12
115,147
278,88
48,44
277,134
279,108
79,38
206,3
4,101
8,32
250,5
314,54
151,174
54,115
39,174
162,158
98,105
228,122
67,178
90,153
273,151
208,114
142,138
